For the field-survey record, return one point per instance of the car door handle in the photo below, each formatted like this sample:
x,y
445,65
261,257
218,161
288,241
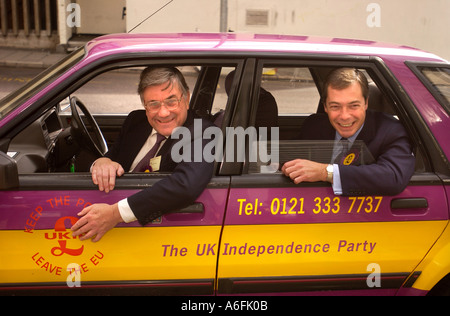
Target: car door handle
x,y
409,203
196,208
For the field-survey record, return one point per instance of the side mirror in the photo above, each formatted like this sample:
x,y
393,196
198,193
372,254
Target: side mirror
x,y
9,176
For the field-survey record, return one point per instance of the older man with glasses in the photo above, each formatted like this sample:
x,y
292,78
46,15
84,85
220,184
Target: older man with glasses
x,y
144,145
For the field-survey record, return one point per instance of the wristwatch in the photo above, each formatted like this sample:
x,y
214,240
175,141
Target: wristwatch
x,y
330,173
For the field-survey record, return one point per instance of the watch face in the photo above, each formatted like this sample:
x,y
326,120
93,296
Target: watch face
x,y
330,168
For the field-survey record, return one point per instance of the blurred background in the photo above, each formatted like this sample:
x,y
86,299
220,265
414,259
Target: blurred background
x,y
60,25
37,33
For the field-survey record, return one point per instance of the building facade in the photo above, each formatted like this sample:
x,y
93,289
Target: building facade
x,y
53,23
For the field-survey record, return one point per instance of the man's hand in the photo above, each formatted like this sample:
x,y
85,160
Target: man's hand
x,y
300,170
104,172
96,221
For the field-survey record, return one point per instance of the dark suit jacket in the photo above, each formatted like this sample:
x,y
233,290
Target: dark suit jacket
x,y
180,189
388,143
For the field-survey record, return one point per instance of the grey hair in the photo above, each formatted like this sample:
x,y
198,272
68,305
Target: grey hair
x,y
154,76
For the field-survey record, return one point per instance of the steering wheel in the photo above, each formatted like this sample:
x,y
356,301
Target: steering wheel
x,y
79,131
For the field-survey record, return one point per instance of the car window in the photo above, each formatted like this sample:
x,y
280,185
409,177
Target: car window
x,y
13,100
439,78
293,89
222,92
268,157
295,92
48,146
115,92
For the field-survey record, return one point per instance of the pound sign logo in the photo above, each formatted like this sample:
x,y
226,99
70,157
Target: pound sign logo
x,y
62,236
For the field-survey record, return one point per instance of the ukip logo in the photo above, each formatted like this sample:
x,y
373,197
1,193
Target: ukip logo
x,y
63,249
59,249
64,237
351,158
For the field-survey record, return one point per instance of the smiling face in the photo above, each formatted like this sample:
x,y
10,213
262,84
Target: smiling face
x,y
164,120
346,109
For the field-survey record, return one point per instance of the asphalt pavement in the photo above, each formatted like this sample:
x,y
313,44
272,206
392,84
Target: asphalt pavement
x,y
28,58
18,66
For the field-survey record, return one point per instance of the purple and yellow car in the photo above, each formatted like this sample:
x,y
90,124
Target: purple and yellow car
x,y
252,231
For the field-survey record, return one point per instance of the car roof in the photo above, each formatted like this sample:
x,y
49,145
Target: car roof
x,y
250,43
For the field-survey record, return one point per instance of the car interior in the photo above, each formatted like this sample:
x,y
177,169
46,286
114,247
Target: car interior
x,y
72,134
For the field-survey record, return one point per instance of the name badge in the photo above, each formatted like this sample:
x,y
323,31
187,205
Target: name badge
x,y
155,163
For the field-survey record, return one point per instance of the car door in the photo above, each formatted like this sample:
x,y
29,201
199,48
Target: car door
x,y
279,237
174,255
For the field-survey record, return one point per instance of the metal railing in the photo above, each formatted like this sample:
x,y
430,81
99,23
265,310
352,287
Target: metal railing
x,y
36,17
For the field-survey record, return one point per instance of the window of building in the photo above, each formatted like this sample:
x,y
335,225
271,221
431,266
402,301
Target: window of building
x,y
257,17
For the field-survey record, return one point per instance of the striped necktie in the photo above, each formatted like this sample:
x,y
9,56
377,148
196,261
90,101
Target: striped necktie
x,y
144,164
344,146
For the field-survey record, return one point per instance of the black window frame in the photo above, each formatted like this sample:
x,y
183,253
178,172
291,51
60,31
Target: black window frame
x,y
382,77
89,72
417,67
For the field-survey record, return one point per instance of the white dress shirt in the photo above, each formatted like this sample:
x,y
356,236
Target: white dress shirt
x,y
337,184
124,208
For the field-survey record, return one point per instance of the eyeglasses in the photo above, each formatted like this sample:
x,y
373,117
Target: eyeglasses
x,y
170,104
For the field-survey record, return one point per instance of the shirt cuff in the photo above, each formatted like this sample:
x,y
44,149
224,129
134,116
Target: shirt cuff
x,y
125,211
337,185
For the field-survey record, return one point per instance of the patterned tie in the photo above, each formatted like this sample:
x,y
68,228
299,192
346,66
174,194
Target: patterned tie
x,y
144,164
344,143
